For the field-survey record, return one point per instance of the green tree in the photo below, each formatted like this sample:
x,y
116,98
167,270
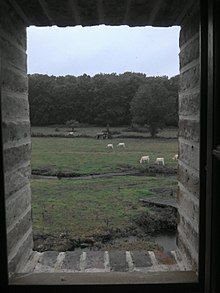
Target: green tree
x,y
149,105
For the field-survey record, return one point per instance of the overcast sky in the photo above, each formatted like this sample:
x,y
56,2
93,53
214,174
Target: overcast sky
x,y
103,49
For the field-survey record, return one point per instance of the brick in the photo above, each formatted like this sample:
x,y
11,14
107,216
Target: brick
x,y
17,204
189,53
13,55
189,129
16,132
95,259
189,153
118,261
190,230
16,156
141,258
20,228
22,254
71,261
12,25
48,258
187,252
16,179
190,179
189,104
189,28
190,78
14,107
14,80
189,204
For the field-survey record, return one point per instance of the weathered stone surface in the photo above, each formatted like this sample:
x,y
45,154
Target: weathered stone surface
x,y
17,179
189,104
189,129
16,156
20,228
189,205
141,258
17,204
14,106
189,153
189,79
16,132
71,261
118,261
189,179
95,259
190,52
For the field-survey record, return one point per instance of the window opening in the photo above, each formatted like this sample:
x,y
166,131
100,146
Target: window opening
x,y
98,180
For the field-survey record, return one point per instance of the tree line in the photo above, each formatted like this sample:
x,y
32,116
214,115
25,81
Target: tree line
x,y
104,99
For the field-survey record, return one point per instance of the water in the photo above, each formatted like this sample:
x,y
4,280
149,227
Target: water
x,y
167,241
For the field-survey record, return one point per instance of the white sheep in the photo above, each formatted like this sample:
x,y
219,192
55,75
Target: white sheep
x,y
159,161
121,144
175,157
144,159
109,146
70,133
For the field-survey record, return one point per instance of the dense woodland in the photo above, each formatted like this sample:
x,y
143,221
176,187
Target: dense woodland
x,y
104,99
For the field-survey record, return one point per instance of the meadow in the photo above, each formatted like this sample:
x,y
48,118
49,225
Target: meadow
x,y
87,207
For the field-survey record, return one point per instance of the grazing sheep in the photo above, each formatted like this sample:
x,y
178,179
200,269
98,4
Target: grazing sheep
x,y
144,159
175,157
109,146
121,144
159,161
71,133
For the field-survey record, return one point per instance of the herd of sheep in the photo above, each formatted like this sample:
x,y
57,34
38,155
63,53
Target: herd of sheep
x,y
143,159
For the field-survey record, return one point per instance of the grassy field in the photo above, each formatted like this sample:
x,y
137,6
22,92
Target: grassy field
x,y
93,130
89,156
85,207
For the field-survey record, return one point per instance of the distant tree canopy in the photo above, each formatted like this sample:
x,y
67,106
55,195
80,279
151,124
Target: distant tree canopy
x,y
103,99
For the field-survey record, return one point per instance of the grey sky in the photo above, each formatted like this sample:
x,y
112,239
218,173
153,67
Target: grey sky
x,y
103,49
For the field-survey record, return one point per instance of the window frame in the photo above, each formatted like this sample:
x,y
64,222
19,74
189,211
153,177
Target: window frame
x,y
209,185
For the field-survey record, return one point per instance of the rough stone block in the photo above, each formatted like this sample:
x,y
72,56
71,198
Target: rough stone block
x,y
16,179
189,53
95,259
14,106
189,153
189,129
14,55
141,258
189,204
189,27
12,26
189,104
17,232
190,78
14,80
20,257
16,156
190,229
187,251
189,179
71,261
16,132
17,204
118,261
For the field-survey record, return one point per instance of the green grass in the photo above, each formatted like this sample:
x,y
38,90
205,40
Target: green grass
x,y
88,155
93,130
87,207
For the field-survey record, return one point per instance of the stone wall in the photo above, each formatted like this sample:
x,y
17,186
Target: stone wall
x,y
17,140
189,136
16,136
